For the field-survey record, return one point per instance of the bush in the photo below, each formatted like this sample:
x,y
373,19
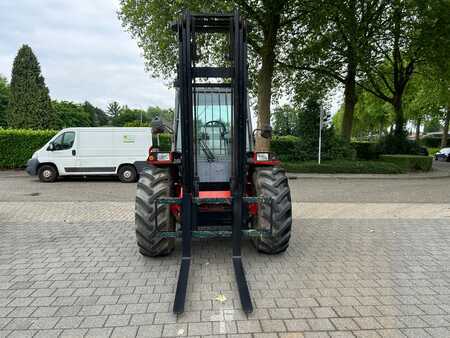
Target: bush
x,y
410,162
343,167
283,146
366,150
165,141
18,145
395,144
433,142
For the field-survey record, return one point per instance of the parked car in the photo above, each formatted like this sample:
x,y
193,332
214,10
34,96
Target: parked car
x,y
443,155
93,151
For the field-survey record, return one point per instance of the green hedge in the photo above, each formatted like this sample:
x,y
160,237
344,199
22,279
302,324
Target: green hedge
x,y
366,150
165,141
433,142
343,167
284,146
18,145
410,162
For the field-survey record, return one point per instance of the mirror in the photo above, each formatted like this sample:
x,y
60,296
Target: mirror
x,y
51,146
266,131
157,126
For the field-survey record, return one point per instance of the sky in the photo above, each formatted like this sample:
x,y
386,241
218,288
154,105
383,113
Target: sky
x,y
84,52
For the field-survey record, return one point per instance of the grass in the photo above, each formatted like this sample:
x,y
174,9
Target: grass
x,y
433,151
344,167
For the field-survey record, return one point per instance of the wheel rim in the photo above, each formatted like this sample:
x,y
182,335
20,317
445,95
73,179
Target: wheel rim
x,y
127,174
47,173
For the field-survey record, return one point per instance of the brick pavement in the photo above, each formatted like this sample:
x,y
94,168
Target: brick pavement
x,y
83,277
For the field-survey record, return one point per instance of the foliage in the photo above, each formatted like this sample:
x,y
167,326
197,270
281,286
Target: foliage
x,y
163,141
434,142
4,99
71,114
432,151
113,108
343,167
97,116
283,146
140,117
410,162
285,121
432,125
366,150
29,103
398,144
18,145
415,32
340,35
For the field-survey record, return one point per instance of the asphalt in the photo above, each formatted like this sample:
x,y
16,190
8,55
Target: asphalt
x,y
16,186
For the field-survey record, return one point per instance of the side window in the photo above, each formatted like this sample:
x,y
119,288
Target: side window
x,y
57,143
68,140
64,141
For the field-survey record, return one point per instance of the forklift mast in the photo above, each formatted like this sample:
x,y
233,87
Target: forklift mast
x,y
234,76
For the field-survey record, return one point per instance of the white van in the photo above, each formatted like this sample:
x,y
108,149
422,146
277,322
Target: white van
x,y
93,151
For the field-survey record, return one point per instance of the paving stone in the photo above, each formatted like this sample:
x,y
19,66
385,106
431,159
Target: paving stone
x,y
296,325
248,326
125,332
200,329
320,324
117,320
44,323
335,277
99,332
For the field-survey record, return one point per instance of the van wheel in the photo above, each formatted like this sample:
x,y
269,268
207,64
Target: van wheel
x,y
127,174
47,173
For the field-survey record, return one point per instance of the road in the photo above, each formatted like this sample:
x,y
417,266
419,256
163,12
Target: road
x,y
18,186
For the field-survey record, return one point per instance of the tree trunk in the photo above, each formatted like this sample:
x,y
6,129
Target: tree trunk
x,y
264,98
418,123
350,101
399,118
444,139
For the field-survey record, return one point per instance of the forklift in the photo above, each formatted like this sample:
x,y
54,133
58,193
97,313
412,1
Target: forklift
x,y
212,183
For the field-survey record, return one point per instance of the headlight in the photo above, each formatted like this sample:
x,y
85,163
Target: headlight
x,y
262,156
163,156
34,155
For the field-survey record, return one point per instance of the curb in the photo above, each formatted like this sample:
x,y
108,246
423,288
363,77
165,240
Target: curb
x,y
428,176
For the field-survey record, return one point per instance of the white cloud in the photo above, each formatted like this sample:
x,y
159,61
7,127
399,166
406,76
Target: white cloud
x,y
83,51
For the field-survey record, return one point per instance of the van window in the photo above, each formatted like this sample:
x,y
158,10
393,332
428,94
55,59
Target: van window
x,y
64,141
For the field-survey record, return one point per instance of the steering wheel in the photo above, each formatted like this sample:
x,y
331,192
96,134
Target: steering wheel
x,y
214,123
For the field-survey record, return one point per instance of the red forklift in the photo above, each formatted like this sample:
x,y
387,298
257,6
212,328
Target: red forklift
x,y
212,183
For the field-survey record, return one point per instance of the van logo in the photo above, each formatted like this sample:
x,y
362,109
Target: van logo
x,y
129,138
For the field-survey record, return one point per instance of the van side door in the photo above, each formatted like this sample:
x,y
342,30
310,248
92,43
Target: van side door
x,y
63,152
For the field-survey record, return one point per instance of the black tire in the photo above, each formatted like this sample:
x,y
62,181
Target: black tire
x,y
127,174
153,183
273,182
47,173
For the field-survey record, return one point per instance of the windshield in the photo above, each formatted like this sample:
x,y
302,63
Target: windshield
x,y
213,120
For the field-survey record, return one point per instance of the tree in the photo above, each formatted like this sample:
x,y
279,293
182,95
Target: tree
x,y
272,22
29,105
371,117
285,120
71,114
416,32
340,36
4,99
166,115
97,116
113,108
